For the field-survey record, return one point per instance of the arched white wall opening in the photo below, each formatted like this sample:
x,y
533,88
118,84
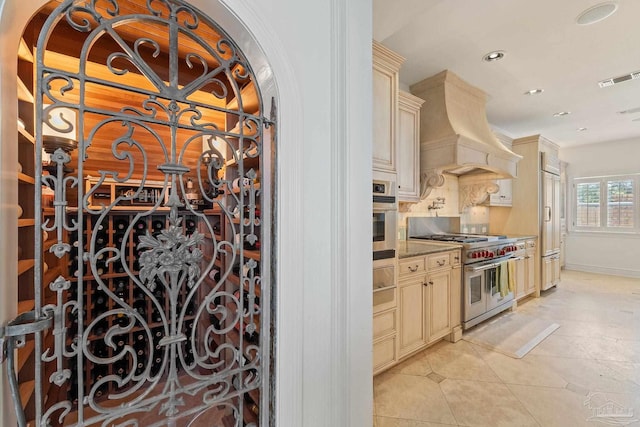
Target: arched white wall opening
x,y
322,81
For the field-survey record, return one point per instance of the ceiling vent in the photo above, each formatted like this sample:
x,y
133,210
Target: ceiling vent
x,y
615,80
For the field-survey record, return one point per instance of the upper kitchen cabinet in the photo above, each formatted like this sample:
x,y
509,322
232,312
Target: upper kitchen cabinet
x,y
504,195
408,147
386,65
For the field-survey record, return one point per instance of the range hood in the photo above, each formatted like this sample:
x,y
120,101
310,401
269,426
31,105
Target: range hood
x,y
455,136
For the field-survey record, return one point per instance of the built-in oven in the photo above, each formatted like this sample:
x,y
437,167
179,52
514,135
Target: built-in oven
x,y
482,290
385,214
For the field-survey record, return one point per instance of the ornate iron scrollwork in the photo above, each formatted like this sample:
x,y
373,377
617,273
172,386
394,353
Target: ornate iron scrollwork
x,y
182,369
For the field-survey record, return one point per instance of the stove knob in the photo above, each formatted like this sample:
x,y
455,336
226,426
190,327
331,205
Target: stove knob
x,y
490,254
474,254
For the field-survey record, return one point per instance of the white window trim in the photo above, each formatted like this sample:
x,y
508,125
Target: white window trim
x,y
602,228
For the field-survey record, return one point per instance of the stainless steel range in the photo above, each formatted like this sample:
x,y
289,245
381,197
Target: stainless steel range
x,y
484,260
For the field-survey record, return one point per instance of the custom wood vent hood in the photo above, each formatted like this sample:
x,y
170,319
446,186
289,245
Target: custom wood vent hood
x,y
455,135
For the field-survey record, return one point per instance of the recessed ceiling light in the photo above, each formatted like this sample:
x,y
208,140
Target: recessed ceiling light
x,y
494,56
534,92
581,129
562,113
597,13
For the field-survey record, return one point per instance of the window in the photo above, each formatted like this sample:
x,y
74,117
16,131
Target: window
x,y
588,210
607,203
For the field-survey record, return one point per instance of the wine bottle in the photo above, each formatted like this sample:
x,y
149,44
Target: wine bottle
x,y
120,224
101,239
156,317
251,405
120,368
121,289
118,238
101,327
100,349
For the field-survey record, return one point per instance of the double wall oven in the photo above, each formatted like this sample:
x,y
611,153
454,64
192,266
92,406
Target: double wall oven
x,y
385,211
485,258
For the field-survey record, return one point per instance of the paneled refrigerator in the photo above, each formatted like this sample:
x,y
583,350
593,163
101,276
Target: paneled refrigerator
x,y
550,220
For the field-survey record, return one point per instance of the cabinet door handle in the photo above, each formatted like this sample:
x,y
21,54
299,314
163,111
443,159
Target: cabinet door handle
x,y
431,282
441,263
413,269
457,258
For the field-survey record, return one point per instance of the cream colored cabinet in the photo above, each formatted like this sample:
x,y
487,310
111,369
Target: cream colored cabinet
x,y
456,296
530,266
521,277
384,340
438,287
386,65
385,314
550,271
413,300
408,147
429,302
504,196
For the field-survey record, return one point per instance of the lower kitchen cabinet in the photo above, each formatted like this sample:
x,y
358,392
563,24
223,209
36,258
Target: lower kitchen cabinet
x,y
429,303
384,339
530,264
521,277
550,271
438,304
384,353
525,280
413,299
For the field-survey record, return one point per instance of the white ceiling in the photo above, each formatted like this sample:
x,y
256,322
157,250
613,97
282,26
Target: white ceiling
x,y
544,48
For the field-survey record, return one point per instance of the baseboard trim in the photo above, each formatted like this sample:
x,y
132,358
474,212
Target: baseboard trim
x,y
603,270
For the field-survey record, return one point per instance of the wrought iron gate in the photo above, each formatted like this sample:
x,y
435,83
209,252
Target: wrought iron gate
x,y
159,210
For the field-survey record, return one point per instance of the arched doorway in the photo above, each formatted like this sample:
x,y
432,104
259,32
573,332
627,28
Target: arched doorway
x,y
156,221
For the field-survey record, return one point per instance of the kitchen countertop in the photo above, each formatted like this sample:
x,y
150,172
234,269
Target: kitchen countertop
x,y
522,236
410,248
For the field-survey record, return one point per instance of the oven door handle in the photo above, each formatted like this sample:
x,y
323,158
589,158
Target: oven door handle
x,y
494,264
484,267
384,288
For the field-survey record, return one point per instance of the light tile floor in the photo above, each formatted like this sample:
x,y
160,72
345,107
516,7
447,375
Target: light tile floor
x,y
593,359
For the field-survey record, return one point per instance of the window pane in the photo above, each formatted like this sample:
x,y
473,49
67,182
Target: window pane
x,y
588,204
620,207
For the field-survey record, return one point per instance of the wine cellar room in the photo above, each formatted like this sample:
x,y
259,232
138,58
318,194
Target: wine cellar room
x,y
144,192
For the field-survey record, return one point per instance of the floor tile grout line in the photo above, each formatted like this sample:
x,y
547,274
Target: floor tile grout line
x,y
524,406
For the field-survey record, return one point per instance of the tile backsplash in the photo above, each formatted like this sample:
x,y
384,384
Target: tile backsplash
x,y
473,220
